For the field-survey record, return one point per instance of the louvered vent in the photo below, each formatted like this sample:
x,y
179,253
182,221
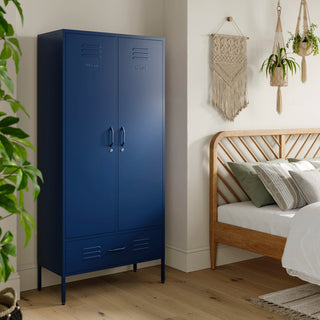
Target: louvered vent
x,y
141,244
140,54
93,50
91,253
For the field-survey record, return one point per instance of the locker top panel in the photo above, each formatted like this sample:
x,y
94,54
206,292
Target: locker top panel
x,y
103,34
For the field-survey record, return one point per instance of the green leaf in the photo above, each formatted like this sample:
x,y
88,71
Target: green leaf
x,y
5,266
25,142
15,42
16,105
7,146
18,6
8,204
36,187
7,188
6,79
6,2
6,51
16,60
14,132
8,121
10,249
23,183
35,171
10,31
7,238
26,221
21,151
3,24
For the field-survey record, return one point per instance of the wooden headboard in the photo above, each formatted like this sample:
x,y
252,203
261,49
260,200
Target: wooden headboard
x,y
253,146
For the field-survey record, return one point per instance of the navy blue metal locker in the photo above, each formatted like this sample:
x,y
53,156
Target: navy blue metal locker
x,y
101,150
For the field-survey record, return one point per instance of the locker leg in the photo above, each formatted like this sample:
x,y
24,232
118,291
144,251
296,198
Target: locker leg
x,y
63,290
163,270
39,278
134,267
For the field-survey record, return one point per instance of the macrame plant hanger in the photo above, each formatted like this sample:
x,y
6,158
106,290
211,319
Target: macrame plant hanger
x,y
305,47
276,79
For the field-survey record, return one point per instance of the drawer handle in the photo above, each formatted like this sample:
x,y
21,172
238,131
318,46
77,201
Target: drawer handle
x,y
117,250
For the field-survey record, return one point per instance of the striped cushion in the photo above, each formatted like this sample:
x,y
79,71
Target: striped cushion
x,y
279,183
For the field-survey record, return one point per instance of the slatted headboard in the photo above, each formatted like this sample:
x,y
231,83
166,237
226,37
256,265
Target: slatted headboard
x,y
253,146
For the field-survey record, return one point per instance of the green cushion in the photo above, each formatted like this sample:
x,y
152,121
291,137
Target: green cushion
x,y
250,182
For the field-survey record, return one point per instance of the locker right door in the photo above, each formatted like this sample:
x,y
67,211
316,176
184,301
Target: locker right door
x,y
141,133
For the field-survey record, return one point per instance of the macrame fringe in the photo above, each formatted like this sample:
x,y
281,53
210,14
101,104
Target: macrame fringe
x,y
279,101
294,315
304,69
229,99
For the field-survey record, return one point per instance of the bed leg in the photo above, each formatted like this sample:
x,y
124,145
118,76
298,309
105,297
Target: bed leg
x,y
213,252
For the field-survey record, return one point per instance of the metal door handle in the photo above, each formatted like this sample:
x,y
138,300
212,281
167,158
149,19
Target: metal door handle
x,y
123,136
111,133
117,249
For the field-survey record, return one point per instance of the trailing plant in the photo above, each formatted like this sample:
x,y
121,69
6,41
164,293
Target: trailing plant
x,y
279,60
16,172
310,38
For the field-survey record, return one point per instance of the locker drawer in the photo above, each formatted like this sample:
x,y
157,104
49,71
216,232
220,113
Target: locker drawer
x,y
86,255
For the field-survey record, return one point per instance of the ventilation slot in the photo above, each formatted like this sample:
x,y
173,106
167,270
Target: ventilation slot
x,y
141,244
91,50
140,54
91,253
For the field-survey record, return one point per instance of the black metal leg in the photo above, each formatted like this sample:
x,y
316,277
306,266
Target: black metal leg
x,y
39,278
163,270
134,267
63,290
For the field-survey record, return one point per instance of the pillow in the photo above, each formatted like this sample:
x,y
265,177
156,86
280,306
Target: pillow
x,y
250,182
279,183
308,182
314,161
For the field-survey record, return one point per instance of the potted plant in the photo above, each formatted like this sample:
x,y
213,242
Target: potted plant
x,y
277,66
305,43
16,172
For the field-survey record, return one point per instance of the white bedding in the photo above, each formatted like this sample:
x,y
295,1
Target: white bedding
x,y
301,256
268,219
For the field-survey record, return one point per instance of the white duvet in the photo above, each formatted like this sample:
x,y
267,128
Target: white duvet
x,y
301,256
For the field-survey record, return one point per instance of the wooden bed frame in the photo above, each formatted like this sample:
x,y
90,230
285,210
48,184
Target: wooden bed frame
x,y
250,146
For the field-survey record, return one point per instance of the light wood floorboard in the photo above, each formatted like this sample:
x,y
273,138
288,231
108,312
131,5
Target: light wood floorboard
x,y
221,294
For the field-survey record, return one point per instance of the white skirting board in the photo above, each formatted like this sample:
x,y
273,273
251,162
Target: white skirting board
x,y
198,259
184,260
28,275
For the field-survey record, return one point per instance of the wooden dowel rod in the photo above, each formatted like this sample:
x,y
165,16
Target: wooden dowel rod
x,y
213,34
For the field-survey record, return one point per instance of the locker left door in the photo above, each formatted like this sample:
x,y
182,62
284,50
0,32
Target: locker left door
x,y
90,163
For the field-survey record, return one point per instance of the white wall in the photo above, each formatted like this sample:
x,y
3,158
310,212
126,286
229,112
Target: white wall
x,y
257,20
142,17
175,32
191,120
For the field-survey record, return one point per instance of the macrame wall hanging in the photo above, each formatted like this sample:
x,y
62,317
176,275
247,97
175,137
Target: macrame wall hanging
x,y
279,78
229,77
304,47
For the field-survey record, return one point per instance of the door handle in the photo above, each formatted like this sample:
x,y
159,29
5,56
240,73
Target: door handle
x,y
122,138
111,141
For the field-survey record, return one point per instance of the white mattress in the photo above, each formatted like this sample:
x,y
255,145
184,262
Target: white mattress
x,y
268,219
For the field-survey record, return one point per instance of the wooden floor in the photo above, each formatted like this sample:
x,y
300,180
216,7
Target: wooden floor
x,y
222,294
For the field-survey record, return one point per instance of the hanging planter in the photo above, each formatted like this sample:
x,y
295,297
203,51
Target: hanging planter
x,y
277,79
278,64
304,42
